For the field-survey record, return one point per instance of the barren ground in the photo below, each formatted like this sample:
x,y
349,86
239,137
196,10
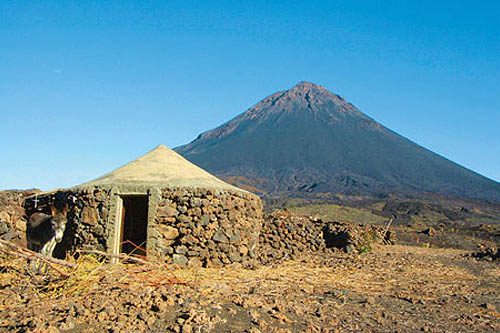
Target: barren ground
x,y
429,282
393,288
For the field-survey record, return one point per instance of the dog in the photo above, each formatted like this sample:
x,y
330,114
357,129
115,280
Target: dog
x,y
44,231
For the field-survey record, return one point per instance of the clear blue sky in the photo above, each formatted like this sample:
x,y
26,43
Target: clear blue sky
x,y
86,86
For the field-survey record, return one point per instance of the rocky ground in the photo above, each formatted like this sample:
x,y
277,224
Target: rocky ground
x,y
391,288
310,276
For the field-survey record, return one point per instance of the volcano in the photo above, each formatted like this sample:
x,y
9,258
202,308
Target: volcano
x,y
310,140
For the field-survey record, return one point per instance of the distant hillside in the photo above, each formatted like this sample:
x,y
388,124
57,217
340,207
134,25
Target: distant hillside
x,y
309,140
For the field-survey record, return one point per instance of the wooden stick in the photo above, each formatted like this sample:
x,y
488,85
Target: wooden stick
x,y
119,256
30,255
389,225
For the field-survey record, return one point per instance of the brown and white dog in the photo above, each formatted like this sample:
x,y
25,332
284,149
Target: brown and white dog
x,y
44,231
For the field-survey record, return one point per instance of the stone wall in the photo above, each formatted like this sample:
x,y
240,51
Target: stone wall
x,y
12,216
87,226
197,227
203,227
207,228
285,235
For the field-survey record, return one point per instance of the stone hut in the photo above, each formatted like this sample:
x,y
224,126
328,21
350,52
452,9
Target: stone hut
x,y
160,205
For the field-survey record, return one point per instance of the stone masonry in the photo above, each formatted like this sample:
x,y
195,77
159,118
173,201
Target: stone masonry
x,y
204,227
196,227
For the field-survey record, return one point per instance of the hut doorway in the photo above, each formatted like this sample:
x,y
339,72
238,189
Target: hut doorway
x,y
133,224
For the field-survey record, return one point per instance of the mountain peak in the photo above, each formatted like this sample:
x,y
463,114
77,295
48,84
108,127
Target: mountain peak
x,y
307,138
304,88
303,99
313,93
307,86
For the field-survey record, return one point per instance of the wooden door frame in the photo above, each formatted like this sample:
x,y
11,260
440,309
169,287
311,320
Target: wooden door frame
x,y
113,241
118,232
120,220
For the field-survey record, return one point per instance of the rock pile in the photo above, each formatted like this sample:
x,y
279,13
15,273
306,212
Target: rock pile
x,y
355,237
487,253
285,235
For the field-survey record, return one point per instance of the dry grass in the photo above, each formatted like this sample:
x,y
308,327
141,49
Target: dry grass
x,y
90,274
415,278
391,270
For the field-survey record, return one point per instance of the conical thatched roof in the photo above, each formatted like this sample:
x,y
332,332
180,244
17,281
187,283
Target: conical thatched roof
x,y
163,167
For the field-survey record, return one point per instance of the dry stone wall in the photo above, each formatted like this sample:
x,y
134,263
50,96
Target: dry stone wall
x,y
198,227
209,228
285,235
88,225
12,216
204,227
87,218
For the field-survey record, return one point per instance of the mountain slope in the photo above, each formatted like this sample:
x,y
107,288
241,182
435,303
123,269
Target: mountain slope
x,y
309,139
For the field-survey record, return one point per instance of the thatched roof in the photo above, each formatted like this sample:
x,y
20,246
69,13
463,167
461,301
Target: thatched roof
x,y
163,167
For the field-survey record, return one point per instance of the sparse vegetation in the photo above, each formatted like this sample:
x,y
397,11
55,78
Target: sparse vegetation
x,y
332,212
396,287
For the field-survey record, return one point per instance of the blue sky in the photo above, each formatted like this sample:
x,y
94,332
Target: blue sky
x,y
86,86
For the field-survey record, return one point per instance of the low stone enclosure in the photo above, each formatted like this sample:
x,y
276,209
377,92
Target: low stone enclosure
x,y
285,235
207,228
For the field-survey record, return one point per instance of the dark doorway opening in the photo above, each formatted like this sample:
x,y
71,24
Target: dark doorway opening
x,y
134,224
